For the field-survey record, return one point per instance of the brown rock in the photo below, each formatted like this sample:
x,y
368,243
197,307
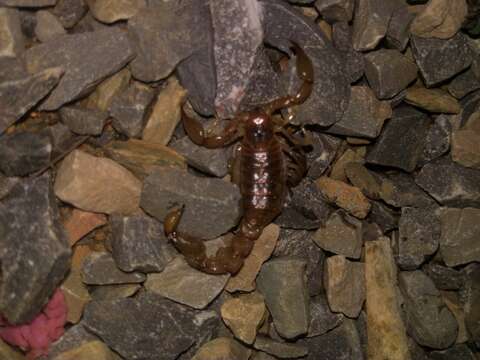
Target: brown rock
x,y
76,296
345,196
80,223
433,100
345,285
338,168
466,148
222,349
87,351
80,252
109,11
262,249
386,331
104,93
166,113
361,178
473,122
453,302
97,184
440,19
7,353
113,292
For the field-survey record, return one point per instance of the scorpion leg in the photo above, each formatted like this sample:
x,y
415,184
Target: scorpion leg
x,y
199,136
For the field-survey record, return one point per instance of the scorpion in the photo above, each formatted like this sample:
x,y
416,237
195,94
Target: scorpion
x,y
267,161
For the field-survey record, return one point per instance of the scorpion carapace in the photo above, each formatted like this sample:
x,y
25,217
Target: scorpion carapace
x,y
267,160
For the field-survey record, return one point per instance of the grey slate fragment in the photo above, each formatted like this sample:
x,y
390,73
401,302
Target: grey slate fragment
x,y
34,249
383,216
444,277
139,244
48,26
471,299
324,149
331,90
211,205
437,142
281,350
148,327
107,52
69,12
83,121
62,139
281,281
7,184
334,11
73,338
12,69
238,37
28,3
449,183
456,352
22,153
419,235
99,268
13,42
322,319
398,32
400,144
466,82
439,59
342,40
20,95
428,319
113,292
388,72
363,179
130,108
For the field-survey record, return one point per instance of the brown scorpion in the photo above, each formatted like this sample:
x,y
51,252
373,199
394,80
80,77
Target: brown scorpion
x,y
267,160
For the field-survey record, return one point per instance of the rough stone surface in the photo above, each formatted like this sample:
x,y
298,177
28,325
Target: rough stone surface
x,y
114,292
438,59
282,283
471,299
361,178
17,96
76,296
428,319
108,11
282,350
322,319
388,72
13,42
108,89
398,33
115,189
466,148
400,151
335,10
28,3
460,231
387,338
349,156
204,198
452,300
324,149
222,348
342,40
69,12
99,268
48,26
382,215
444,277
83,121
345,285
466,82
79,223
22,153
457,352
437,141
108,50
178,279
33,246
432,100
449,183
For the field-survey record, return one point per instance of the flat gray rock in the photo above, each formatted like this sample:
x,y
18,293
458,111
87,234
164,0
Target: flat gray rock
x,y
34,249
28,3
335,10
83,121
211,205
444,277
437,142
342,40
322,319
69,12
107,52
382,215
398,32
99,268
471,298
13,42
48,26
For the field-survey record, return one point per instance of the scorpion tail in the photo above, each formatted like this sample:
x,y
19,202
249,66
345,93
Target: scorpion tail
x,y
227,259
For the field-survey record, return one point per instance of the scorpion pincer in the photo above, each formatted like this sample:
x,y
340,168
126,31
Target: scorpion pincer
x,y
268,160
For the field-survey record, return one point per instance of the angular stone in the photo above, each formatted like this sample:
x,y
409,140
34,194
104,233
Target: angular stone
x,y
383,216
342,40
282,282
322,319
335,10
432,100
349,156
80,223
22,153
401,152
370,23
222,348
33,245
428,319
331,88
28,3
7,352
452,300
437,141
388,72
129,109
108,50
186,285
471,299
69,12
460,230
345,196
13,42
244,315
345,285
452,56
467,81
114,292
324,149
398,33
419,235
166,114
156,328
108,11
12,68
48,26
115,189
457,352
399,190
20,95
6,185
449,183
263,247
364,116
387,338
99,268
76,296
342,235
219,199
282,350
466,148
444,278
361,178
83,121
440,19
108,89
139,244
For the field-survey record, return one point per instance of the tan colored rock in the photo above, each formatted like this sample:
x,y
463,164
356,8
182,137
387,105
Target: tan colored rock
x,y
386,331
433,100
454,304
361,178
262,249
97,184
345,196
76,295
114,292
166,113
440,19
7,353
473,122
244,315
338,168
80,252
222,349
109,11
80,223
466,148
142,157
104,93
87,351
